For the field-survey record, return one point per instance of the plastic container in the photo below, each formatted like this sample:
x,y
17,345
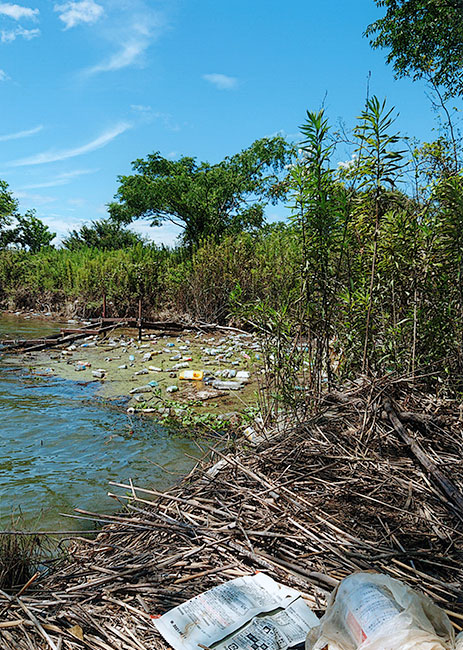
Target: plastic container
x,y
371,611
196,375
226,385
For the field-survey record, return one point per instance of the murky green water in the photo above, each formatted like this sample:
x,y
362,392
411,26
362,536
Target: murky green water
x,y
60,446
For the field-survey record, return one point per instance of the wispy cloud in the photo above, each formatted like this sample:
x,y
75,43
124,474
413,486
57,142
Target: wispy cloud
x,y
3,75
76,13
17,12
147,114
131,28
61,179
141,108
54,156
221,81
128,55
36,199
21,134
77,202
166,234
10,35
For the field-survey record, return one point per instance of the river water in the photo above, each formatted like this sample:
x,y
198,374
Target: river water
x,y
60,445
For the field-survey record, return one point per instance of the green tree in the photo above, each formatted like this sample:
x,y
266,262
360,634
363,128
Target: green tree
x,y
8,210
31,233
203,199
104,235
424,38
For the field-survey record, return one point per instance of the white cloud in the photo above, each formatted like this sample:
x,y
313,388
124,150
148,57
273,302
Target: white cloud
x,y
75,13
166,234
129,54
140,108
130,29
17,12
59,223
8,36
21,134
54,156
146,115
221,81
3,75
61,179
36,199
78,202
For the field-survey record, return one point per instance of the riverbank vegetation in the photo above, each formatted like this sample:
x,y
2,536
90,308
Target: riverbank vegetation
x,y
365,275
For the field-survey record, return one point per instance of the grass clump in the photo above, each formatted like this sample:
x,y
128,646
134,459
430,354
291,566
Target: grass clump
x,y
20,556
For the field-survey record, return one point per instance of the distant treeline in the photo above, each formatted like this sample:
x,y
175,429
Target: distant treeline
x,y
198,284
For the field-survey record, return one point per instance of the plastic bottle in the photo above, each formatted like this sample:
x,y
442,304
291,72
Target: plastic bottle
x,y
196,375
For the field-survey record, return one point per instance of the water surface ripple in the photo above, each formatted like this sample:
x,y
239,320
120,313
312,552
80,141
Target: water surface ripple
x,y
60,446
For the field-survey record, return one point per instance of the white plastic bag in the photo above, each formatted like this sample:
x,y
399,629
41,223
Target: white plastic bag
x,y
371,611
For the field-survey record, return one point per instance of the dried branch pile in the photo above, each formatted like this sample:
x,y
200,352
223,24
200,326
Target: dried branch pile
x,y
342,492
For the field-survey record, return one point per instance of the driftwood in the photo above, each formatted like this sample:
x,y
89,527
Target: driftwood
x,y
173,326
81,330
12,344
68,339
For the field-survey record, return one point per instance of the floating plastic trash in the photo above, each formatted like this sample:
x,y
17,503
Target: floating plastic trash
x,y
196,375
227,385
141,389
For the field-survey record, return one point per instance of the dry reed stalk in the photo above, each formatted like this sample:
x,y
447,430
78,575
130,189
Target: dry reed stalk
x,y
339,493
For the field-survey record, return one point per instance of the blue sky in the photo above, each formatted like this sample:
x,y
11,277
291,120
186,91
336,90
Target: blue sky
x,y
87,86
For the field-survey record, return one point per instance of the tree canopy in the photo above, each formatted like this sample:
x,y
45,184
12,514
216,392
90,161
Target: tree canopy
x,y
27,230
205,199
8,210
31,233
425,39
104,235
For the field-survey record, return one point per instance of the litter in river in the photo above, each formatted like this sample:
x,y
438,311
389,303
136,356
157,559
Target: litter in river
x,y
196,375
119,361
